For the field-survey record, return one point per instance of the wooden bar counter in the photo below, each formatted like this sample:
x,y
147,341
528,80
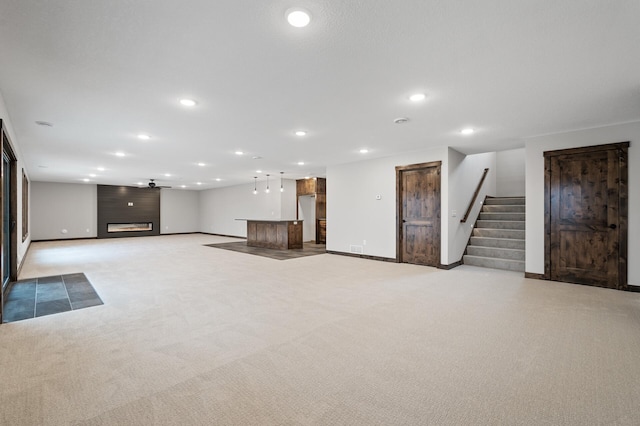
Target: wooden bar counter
x,y
274,234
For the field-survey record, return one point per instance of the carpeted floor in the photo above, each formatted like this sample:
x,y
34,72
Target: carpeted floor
x,y
194,336
308,249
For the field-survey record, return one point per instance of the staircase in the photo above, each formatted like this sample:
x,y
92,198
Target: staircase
x,y
497,240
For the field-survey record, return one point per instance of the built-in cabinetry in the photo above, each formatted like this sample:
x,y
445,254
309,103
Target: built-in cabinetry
x,y
322,231
275,234
315,187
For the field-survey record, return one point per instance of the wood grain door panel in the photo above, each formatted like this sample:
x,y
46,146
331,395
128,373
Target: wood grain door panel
x,y
419,214
585,205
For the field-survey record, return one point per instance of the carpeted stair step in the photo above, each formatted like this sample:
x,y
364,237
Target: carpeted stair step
x,y
504,208
497,253
501,224
510,243
498,233
505,200
501,216
487,262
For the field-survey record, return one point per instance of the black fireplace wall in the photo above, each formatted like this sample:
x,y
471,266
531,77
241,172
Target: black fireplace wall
x,y
128,204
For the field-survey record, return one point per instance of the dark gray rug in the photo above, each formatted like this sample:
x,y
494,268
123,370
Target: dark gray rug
x,y
309,249
36,297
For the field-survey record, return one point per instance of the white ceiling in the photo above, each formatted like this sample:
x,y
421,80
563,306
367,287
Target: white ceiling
x,y
104,71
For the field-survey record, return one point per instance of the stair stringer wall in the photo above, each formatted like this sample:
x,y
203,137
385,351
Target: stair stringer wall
x,y
464,175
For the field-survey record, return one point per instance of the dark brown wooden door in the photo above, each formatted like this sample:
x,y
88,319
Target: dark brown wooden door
x,y
586,215
419,214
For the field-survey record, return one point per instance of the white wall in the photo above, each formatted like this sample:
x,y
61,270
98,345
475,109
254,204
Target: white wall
x,y
220,207
288,200
307,213
535,188
56,207
510,169
15,144
355,216
465,173
179,211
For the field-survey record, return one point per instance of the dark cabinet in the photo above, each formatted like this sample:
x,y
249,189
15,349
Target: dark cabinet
x,y
322,231
316,187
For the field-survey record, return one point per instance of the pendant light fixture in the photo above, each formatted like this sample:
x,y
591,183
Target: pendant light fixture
x,y
267,190
281,187
255,185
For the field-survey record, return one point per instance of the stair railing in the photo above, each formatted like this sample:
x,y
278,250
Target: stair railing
x,y
475,195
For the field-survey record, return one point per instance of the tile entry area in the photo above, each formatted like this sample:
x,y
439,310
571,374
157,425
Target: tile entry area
x,y
36,297
308,249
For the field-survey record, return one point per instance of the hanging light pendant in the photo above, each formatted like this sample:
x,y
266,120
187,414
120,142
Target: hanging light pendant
x,y
255,185
267,190
281,187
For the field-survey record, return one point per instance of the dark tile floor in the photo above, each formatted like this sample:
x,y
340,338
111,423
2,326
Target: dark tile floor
x,y
309,249
36,297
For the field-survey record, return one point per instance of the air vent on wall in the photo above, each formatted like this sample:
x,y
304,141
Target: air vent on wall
x,y
356,249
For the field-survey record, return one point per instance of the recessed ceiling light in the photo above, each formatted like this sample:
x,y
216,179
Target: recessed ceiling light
x,y
183,186
85,180
92,175
467,131
401,120
364,151
120,154
188,102
218,179
101,169
201,164
239,153
44,123
307,177
198,183
167,174
300,163
301,133
144,137
140,183
258,171
298,17
417,97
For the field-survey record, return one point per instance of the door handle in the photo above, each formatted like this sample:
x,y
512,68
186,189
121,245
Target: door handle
x,y
404,220
613,226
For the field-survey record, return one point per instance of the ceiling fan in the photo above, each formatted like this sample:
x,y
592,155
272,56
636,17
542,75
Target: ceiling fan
x,y
152,184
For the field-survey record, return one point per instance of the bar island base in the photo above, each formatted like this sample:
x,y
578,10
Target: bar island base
x,y
275,234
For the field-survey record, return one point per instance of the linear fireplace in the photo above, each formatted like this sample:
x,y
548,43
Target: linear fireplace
x,y
129,227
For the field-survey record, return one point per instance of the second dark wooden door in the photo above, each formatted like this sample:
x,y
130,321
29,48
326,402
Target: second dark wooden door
x,y
419,198
586,215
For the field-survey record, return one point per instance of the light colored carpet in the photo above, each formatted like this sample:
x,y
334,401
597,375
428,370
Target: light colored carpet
x,y
188,335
